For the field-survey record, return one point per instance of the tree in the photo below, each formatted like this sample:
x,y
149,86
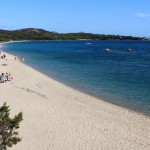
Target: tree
x,y
8,127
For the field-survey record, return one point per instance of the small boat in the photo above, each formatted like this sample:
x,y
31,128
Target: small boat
x,y
129,49
107,49
88,43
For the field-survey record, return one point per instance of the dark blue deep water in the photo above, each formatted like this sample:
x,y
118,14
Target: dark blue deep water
x,y
119,76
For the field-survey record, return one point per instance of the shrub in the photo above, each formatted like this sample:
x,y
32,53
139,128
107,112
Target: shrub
x,y
8,127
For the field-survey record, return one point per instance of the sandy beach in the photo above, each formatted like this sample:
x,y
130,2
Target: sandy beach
x,y
57,117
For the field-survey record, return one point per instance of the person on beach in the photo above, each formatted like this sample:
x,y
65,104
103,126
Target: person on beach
x,y
10,77
22,59
6,76
2,78
16,57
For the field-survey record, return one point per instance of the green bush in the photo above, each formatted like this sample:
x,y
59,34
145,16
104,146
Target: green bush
x,y
8,127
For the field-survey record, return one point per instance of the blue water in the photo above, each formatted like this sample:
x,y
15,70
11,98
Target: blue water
x,y
118,76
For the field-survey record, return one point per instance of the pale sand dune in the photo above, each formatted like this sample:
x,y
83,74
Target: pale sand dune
x,y
57,117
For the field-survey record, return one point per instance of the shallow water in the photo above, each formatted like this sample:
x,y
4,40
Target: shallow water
x,y
119,76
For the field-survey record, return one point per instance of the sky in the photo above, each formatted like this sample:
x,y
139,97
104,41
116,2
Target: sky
x,y
119,17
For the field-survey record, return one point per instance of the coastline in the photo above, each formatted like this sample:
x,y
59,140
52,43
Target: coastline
x,y
109,100
92,95
59,117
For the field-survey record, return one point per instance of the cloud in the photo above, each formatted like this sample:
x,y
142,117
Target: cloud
x,y
143,15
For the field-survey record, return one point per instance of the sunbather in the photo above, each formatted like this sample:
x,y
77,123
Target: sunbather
x,y
2,78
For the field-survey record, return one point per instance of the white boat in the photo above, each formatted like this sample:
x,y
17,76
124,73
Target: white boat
x,y
129,49
107,49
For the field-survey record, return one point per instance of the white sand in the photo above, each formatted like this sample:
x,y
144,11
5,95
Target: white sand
x,y
57,117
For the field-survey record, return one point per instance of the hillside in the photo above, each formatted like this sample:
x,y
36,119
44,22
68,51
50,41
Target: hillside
x,y
40,34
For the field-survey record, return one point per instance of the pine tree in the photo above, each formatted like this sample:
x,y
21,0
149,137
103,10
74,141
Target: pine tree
x,y
8,127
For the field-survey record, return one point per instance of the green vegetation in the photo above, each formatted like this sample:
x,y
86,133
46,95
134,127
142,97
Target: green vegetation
x,y
8,126
40,34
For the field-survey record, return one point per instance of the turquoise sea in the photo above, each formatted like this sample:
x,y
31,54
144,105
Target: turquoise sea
x,y
118,76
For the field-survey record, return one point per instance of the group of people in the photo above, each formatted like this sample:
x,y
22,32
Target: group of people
x,y
16,58
3,56
6,77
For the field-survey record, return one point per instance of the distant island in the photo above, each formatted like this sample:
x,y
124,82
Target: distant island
x,y
40,34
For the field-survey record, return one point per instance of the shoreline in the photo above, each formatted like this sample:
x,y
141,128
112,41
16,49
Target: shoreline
x,y
87,93
92,95
79,90
59,117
